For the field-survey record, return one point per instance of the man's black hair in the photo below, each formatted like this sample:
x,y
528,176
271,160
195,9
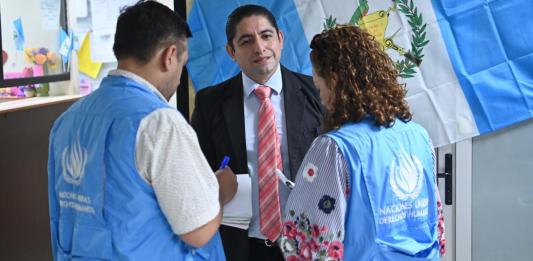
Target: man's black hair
x,y
145,27
245,11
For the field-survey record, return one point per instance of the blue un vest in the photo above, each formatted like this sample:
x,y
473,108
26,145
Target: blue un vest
x,y
100,208
392,207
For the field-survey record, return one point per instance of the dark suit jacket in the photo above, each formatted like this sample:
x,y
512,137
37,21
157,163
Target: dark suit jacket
x,y
218,120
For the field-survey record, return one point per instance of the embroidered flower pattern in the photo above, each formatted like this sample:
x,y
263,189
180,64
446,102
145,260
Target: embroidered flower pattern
x,y
310,172
335,250
326,204
302,240
289,229
440,226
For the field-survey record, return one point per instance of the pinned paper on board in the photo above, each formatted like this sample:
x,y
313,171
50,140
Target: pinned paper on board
x,y
85,64
18,34
80,8
103,17
86,86
50,14
105,14
102,48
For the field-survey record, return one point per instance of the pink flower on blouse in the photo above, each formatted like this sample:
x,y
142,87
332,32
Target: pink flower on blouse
x,y
310,172
302,241
335,250
306,251
289,229
317,230
314,245
291,258
301,236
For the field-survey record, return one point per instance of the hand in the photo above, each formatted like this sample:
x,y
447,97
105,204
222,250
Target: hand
x,y
227,184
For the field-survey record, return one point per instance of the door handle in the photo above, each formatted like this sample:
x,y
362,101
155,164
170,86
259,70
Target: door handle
x,y
448,179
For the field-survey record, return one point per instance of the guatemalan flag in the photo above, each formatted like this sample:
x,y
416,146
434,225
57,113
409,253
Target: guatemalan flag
x,y
467,64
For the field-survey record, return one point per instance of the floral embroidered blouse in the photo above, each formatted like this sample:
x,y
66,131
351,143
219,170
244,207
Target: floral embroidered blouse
x,y
313,228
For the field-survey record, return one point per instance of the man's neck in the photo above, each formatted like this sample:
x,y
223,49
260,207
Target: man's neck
x,y
265,79
261,81
143,71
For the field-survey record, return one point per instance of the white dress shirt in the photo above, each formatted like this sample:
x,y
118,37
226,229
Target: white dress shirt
x,y
251,118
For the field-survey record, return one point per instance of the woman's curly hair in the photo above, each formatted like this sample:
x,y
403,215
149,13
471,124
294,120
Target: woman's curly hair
x,y
366,78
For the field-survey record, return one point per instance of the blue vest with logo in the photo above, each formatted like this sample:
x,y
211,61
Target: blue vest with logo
x,y
392,206
100,207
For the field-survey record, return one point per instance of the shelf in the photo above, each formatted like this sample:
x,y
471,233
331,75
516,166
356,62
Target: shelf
x,y
10,105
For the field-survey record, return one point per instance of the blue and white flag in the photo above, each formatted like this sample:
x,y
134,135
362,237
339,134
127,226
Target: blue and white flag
x,y
467,65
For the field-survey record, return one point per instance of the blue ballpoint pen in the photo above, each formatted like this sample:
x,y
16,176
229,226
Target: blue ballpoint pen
x,y
224,162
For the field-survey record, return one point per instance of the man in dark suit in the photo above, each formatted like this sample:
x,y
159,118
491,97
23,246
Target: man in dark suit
x,y
226,119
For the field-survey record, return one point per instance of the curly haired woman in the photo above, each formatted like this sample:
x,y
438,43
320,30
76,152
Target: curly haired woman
x,y
366,189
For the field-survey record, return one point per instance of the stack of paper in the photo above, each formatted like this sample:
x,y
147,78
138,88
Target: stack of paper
x,y
238,212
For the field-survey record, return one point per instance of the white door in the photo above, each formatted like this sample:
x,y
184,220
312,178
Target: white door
x,y
502,194
492,211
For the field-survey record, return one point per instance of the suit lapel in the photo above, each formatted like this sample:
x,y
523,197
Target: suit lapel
x,y
294,109
233,110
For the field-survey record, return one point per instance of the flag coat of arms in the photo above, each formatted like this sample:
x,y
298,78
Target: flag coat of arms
x,y
467,65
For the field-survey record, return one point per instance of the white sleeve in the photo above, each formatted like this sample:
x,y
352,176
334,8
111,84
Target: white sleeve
x,y
169,158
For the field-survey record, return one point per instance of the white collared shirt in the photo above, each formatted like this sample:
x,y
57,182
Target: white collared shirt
x,y
251,118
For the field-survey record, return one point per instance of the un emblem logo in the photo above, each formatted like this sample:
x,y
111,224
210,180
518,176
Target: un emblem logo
x,y
73,160
406,176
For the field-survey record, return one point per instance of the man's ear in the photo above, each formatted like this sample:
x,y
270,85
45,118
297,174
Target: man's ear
x,y
230,51
168,56
280,36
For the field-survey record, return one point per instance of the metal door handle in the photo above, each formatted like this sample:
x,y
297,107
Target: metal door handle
x,y
448,179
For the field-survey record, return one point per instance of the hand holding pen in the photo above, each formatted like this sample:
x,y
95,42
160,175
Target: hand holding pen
x,y
223,165
224,162
227,182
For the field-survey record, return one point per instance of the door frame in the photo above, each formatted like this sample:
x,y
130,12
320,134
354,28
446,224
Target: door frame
x,y
463,202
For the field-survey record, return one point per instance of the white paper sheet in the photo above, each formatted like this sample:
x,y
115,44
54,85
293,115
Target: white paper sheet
x,y
80,8
50,14
105,14
238,212
102,48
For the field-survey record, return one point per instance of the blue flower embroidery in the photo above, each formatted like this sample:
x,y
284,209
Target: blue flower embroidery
x,y
326,204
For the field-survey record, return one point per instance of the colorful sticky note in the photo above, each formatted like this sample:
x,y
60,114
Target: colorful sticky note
x,y
19,34
86,86
85,64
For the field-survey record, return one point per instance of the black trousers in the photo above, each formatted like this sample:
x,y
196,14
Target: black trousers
x,y
239,247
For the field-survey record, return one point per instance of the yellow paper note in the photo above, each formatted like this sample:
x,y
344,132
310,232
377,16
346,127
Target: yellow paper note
x,y
85,64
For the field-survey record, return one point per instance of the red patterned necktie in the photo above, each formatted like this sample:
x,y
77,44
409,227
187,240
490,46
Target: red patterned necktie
x,y
269,158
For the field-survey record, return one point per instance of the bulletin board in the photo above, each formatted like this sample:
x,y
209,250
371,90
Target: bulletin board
x,y
95,66
93,32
